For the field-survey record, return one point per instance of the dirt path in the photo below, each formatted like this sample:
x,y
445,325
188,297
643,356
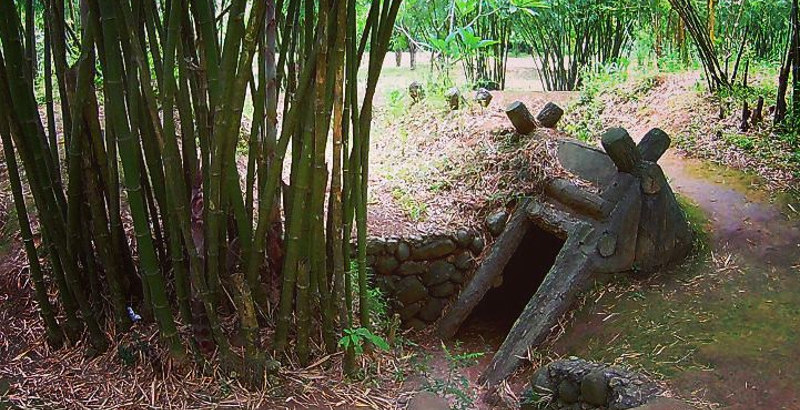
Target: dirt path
x,y
755,369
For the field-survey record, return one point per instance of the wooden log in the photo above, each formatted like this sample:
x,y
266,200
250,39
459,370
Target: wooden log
x,y
416,91
580,200
569,274
758,113
483,97
550,115
654,144
622,150
453,97
744,125
664,234
522,119
491,269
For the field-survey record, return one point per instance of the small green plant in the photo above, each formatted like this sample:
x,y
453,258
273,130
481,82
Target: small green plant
x,y
455,385
396,101
415,209
356,339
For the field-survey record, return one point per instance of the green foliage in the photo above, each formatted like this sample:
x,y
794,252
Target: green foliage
x,y
396,103
570,37
415,209
356,339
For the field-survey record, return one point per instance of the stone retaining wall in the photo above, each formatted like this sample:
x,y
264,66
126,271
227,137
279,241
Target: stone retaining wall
x,y
418,275
580,385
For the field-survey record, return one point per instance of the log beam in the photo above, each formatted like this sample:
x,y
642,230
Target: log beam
x,y
490,270
622,150
654,144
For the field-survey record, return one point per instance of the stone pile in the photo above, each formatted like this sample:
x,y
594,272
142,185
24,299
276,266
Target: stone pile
x,y
579,384
419,275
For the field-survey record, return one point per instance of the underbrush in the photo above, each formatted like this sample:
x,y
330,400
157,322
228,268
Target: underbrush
x,y
585,116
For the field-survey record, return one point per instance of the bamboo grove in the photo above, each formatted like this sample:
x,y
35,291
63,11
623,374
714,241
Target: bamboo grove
x,y
222,229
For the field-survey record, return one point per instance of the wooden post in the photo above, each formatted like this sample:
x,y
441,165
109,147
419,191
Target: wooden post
x,y
453,97
522,119
758,113
550,115
744,125
622,150
654,144
580,200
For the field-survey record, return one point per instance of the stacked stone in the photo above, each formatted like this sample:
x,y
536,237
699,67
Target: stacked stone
x,y
579,384
419,275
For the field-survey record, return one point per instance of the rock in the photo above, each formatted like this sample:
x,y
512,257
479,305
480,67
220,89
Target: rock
x,y
458,277
490,85
463,238
541,383
386,284
375,246
409,311
391,245
587,162
432,310
437,248
410,268
416,324
483,97
594,388
410,290
403,251
496,222
439,272
444,290
453,97
568,391
593,385
386,265
464,261
416,91
427,401
549,115
477,245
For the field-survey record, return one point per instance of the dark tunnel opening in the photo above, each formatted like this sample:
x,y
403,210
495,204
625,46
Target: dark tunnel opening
x,y
494,316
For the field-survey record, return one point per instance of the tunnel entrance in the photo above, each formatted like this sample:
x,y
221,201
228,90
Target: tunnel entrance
x,y
494,316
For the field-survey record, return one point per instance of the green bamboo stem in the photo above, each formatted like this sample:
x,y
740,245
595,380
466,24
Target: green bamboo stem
x,y
55,337
25,119
292,262
48,96
335,228
132,173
